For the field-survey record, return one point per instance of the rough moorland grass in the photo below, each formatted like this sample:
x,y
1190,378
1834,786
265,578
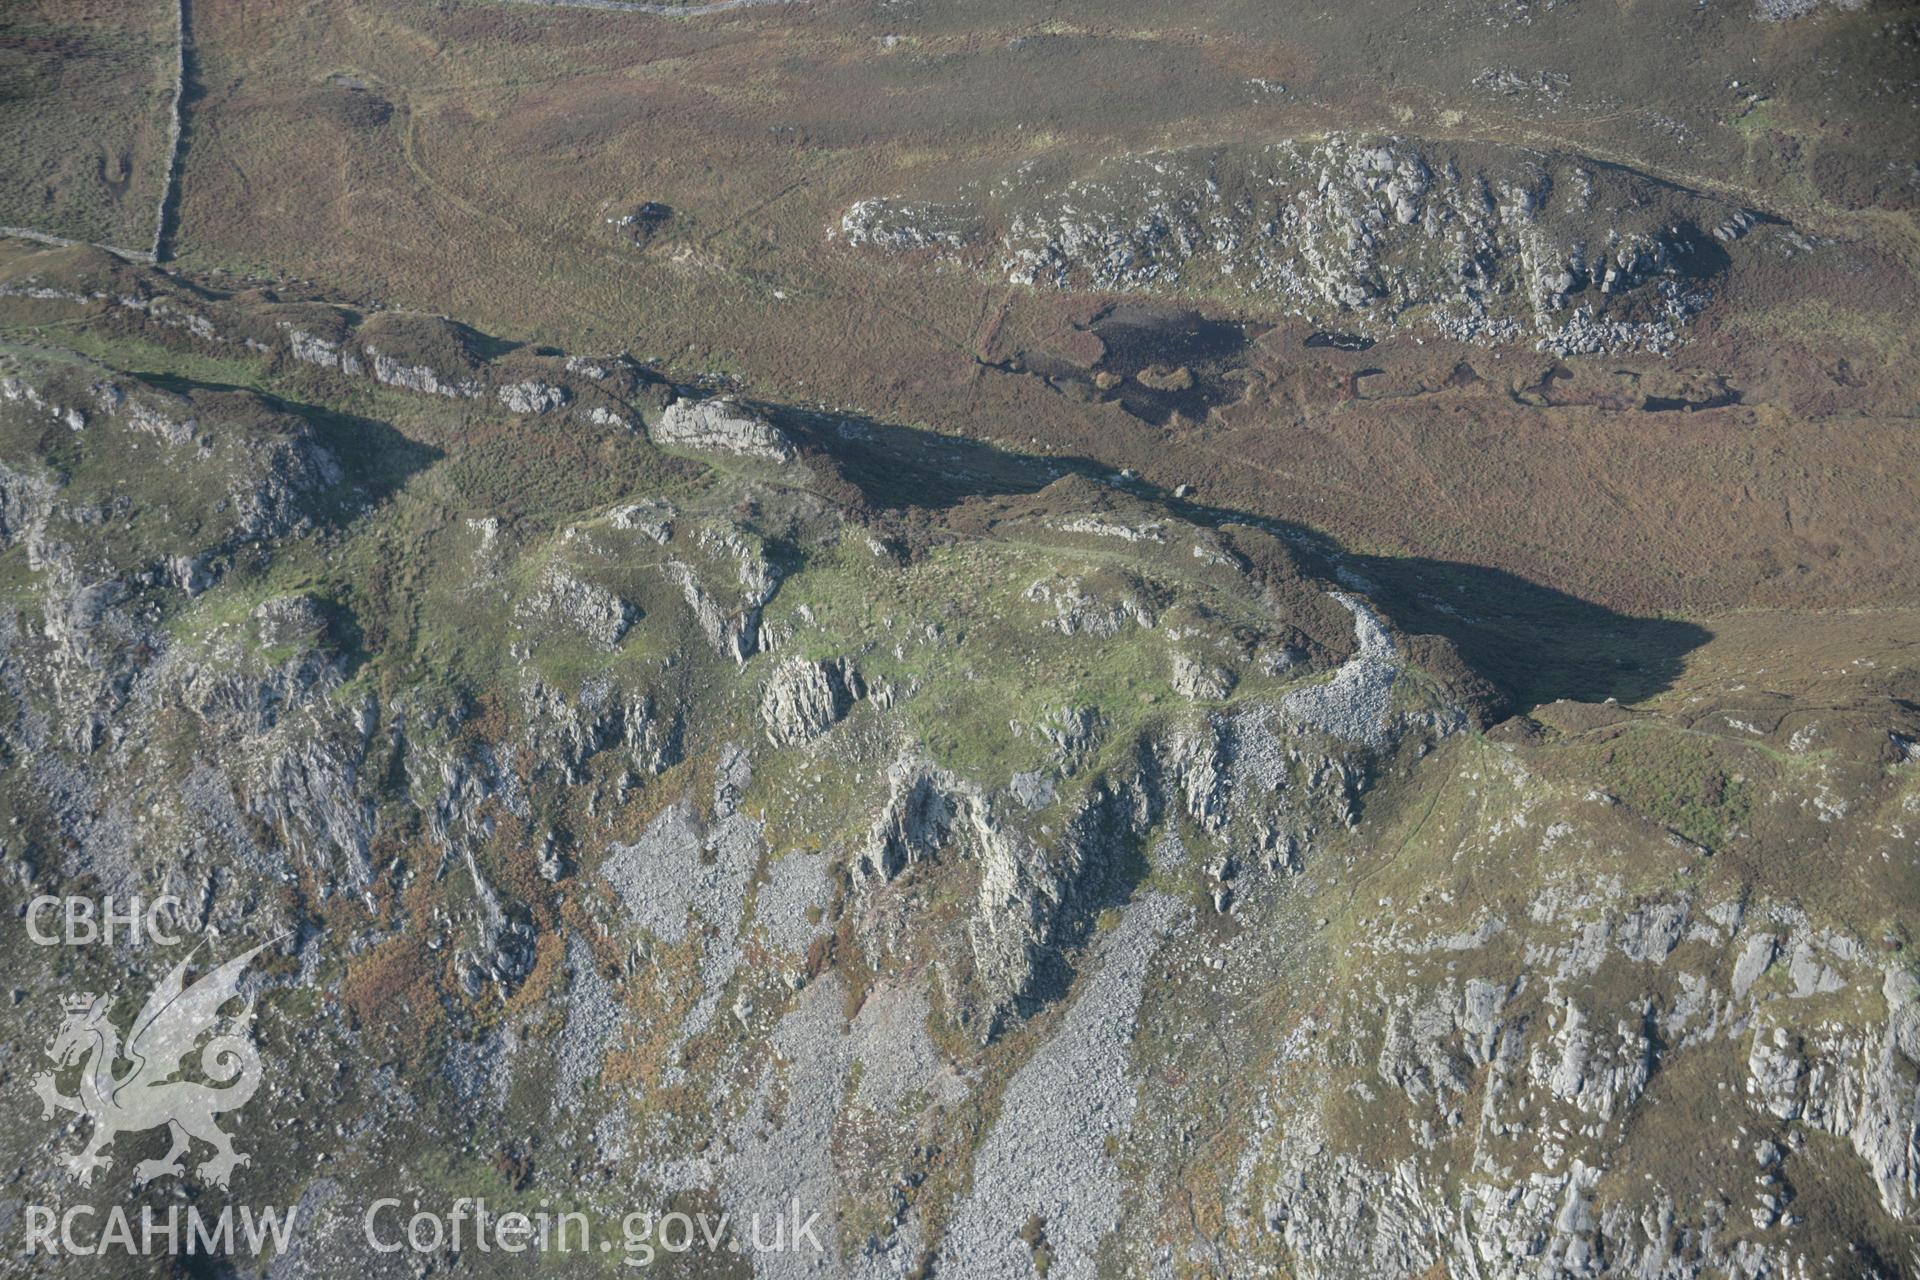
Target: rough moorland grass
x,y
86,117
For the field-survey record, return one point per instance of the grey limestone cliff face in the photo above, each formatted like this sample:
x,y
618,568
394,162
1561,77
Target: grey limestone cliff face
x,y
1551,1086
803,699
565,734
727,588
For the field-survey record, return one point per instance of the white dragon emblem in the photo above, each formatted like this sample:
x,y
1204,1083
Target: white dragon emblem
x,y
146,1094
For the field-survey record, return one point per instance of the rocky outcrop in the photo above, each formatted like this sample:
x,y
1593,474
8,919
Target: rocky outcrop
x,y
1533,1076
564,734
1861,1085
1198,680
803,698
721,426
1080,608
326,352
19,391
1023,899
1481,242
589,611
731,626
533,396
652,518
422,378
26,501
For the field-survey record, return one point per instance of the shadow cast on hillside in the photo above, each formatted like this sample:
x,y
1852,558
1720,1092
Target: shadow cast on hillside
x,y
378,459
896,467
1534,643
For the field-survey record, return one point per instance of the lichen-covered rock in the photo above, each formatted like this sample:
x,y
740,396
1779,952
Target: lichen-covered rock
x,y
1198,680
721,426
533,396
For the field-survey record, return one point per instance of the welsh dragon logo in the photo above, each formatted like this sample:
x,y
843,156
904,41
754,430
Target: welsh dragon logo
x,y
146,1094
